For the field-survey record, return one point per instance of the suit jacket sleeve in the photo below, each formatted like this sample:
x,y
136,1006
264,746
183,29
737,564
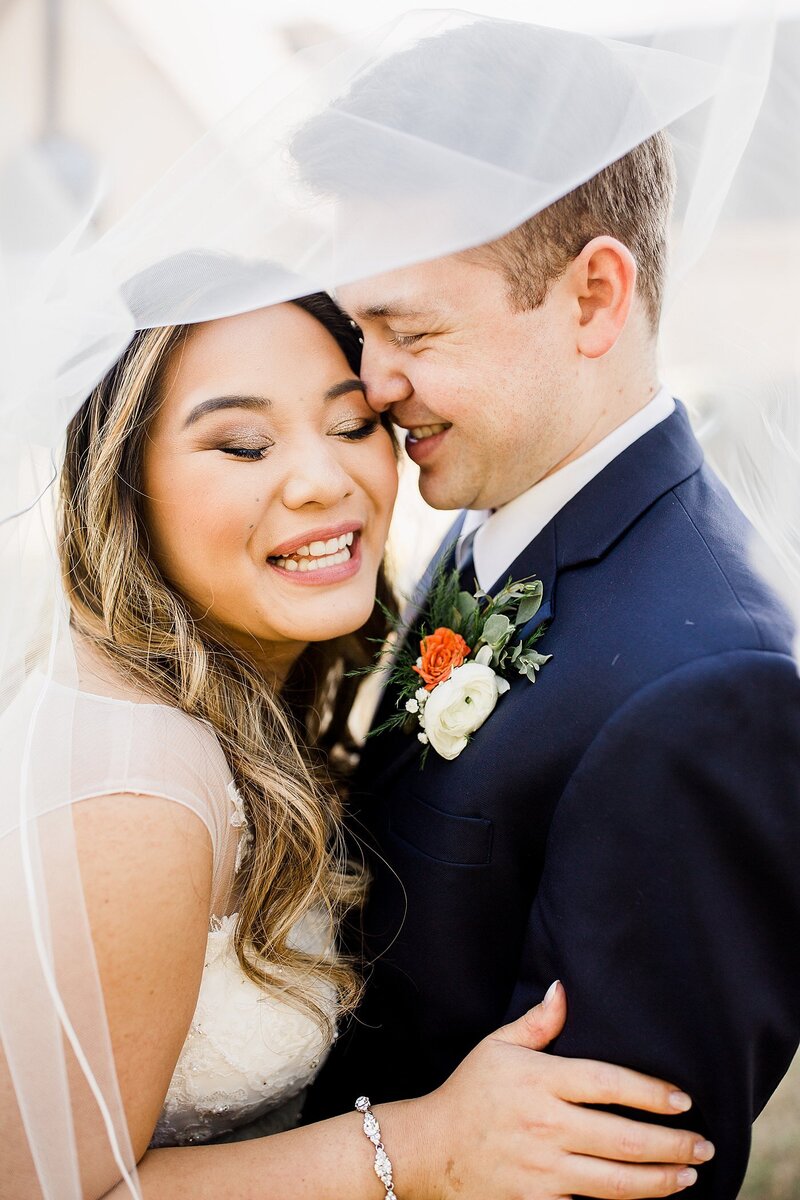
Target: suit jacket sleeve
x,y
670,899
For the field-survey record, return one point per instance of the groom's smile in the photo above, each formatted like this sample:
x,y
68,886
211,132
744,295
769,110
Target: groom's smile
x,y
423,440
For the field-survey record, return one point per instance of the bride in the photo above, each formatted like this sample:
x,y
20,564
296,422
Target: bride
x,y
225,500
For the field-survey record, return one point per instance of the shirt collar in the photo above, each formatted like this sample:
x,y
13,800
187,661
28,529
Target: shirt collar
x,y
503,534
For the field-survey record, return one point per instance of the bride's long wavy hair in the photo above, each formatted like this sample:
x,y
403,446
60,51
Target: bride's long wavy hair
x,y
278,747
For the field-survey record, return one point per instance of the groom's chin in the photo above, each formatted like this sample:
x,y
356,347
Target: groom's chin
x,y
440,490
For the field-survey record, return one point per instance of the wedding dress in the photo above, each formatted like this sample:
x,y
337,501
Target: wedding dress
x,y
249,1053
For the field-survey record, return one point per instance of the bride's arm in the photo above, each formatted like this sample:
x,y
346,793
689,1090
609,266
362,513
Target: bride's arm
x,y
509,1121
474,1145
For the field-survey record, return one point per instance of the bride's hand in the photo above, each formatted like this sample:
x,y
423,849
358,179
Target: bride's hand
x,y
510,1122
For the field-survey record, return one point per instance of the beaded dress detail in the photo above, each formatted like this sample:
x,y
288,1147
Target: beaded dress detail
x,y
249,1054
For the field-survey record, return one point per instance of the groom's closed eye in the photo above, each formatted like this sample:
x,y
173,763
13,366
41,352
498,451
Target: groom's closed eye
x,y
404,339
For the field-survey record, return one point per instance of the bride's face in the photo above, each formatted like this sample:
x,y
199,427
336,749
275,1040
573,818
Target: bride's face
x,y
269,482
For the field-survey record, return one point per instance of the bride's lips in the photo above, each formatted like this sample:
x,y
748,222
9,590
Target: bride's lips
x,y
319,556
423,441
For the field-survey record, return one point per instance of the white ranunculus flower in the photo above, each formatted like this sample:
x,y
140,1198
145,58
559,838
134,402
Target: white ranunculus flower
x,y
459,706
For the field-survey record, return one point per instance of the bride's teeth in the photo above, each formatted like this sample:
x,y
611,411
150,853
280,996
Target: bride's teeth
x,y
318,555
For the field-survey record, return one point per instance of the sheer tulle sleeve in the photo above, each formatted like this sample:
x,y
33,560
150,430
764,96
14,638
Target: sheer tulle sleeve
x,y
153,750
61,1115
123,746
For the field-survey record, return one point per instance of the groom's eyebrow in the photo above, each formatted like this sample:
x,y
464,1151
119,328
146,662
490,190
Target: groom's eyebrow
x,y
389,310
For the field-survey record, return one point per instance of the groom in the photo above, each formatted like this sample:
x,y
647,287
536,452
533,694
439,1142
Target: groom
x,y
629,824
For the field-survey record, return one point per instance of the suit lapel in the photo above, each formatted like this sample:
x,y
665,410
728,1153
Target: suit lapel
x,y
587,526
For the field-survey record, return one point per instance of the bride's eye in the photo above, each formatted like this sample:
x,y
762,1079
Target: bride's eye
x,y
355,432
246,453
404,339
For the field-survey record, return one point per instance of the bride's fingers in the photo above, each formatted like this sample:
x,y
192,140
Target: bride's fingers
x,y
604,1135
539,1025
622,1181
583,1081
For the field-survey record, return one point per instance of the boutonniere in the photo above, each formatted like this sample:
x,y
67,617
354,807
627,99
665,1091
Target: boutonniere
x,y
475,645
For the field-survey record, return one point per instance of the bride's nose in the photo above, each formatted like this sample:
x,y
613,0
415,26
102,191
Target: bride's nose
x,y
316,476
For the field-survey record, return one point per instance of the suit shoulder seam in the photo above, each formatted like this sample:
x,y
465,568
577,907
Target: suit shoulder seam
x,y
721,570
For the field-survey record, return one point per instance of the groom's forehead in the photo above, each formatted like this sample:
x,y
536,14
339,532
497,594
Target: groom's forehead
x,y
411,293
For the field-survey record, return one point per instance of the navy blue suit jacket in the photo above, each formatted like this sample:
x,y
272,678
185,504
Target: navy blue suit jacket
x,y
630,823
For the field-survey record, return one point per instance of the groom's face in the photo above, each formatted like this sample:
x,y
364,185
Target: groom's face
x,y
481,389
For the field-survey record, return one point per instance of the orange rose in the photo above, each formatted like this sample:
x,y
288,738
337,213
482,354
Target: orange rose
x,y
441,651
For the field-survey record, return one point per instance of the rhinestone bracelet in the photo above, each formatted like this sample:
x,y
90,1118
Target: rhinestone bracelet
x,y
383,1167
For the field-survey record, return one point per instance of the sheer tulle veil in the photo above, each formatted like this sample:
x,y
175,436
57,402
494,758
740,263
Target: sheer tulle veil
x,y
238,223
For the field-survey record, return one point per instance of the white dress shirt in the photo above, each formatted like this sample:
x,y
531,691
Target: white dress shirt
x,y
499,537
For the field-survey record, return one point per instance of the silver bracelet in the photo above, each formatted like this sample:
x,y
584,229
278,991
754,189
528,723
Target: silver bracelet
x,y
383,1167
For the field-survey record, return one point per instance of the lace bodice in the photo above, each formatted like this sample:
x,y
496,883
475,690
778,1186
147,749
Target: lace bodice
x,y
247,1052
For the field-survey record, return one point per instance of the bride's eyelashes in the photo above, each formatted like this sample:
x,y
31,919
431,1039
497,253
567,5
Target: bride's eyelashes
x,y
247,453
354,432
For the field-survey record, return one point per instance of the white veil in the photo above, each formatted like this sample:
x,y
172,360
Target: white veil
x,y
252,216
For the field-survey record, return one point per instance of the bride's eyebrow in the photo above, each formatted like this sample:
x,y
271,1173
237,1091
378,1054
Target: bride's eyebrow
x,y
256,403
341,389
259,403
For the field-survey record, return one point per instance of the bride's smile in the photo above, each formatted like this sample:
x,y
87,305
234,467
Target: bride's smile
x,y
269,481
320,556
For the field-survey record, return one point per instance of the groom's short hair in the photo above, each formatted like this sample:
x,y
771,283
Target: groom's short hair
x,y
428,88
631,200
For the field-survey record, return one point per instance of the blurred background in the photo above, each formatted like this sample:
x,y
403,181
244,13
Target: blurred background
x,y
112,91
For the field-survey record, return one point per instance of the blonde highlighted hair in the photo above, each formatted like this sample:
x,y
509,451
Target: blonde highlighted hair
x,y
125,607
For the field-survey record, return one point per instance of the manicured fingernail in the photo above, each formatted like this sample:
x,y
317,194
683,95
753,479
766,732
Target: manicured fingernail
x,y
704,1151
680,1101
687,1177
550,993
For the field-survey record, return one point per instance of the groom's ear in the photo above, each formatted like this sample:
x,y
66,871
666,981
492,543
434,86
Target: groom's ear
x,y
603,277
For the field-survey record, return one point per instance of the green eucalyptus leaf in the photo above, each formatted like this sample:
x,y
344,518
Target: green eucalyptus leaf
x,y
533,656
529,606
467,605
497,630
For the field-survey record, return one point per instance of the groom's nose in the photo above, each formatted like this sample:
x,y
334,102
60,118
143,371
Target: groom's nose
x,y
383,377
